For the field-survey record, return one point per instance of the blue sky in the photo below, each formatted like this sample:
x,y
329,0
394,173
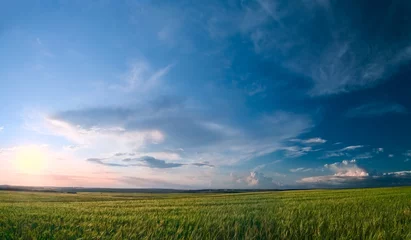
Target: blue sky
x,y
213,94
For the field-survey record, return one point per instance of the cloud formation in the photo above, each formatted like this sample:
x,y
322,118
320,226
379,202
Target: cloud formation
x,y
350,148
348,174
296,170
375,109
110,138
141,77
186,93
325,41
163,125
342,171
316,140
151,162
346,151
255,179
143,161
346,168
296,151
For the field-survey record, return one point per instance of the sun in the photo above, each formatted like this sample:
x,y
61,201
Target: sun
x,y
31,159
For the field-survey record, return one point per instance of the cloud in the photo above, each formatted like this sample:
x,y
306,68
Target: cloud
x,y
407,153
112,138
333,46
143,161
5,150
365,155
296,170
151,162
102,162
378,150
169,124
316,140
140,77
333,154
73,147
375,109
348,174
344,152
254,180
1,128
123,154
399,173
344,170
265,165
347,168
296,151
203,164
256,88
402,178
350,148
390,155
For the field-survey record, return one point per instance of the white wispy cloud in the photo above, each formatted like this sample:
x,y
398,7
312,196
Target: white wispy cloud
x,y
390,155
295,170
73,147
345,152
256,88
343,62
350,148
316,140
9,149
296,151
399,173
365,155
407,153
333,154
1,128
265,165
141,77
375,109
378,150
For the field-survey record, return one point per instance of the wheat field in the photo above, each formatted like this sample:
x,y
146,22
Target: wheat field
x,y
380,213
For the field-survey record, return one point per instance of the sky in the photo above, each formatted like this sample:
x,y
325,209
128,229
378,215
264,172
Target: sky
x,y
205,94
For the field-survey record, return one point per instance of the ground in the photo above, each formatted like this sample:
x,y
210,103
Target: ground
x,y
379,213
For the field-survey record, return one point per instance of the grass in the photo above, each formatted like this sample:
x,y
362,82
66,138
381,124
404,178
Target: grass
x,y
383,213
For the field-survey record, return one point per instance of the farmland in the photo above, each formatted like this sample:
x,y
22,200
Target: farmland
x,y
379,213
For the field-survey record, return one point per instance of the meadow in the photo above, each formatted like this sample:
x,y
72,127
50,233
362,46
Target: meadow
x,y
379,213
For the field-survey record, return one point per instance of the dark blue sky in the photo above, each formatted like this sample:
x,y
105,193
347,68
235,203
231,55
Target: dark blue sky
x,y
205,94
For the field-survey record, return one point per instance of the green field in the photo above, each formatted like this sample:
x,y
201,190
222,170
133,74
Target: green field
x,y
383,213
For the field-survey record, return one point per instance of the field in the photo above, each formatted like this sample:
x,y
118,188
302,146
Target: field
x,y
383,213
